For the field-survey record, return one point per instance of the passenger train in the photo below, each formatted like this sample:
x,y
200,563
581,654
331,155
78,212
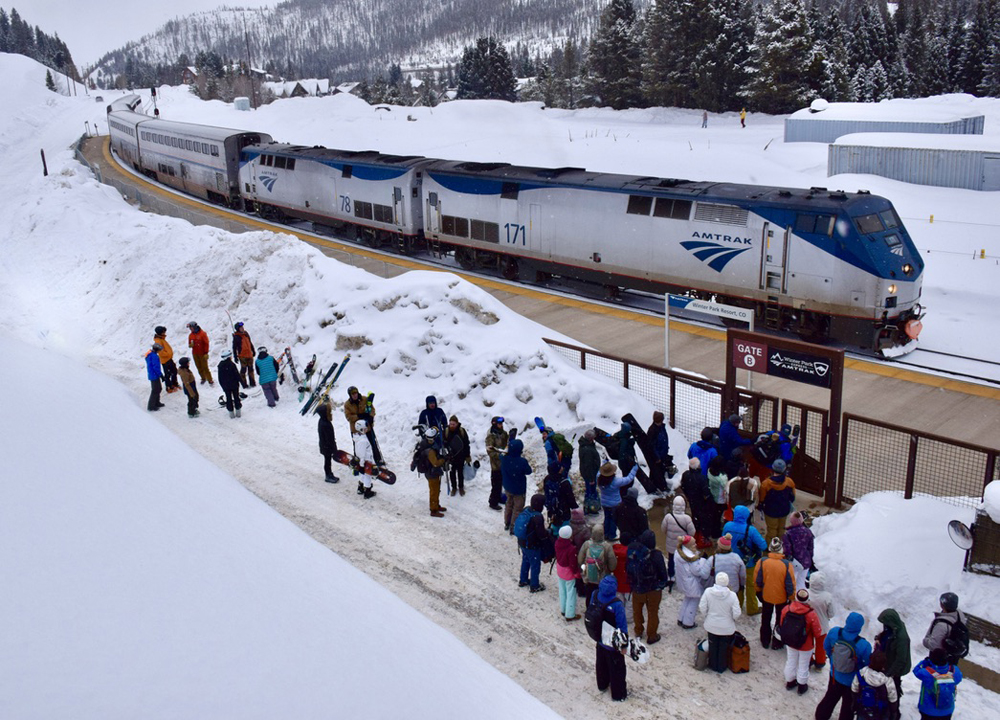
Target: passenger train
x,y
823,265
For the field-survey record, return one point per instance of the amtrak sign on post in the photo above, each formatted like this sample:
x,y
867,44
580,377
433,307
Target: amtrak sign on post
x,y
704,307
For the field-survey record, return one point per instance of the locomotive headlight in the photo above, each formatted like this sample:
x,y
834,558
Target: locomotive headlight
x,y
908,269
892,289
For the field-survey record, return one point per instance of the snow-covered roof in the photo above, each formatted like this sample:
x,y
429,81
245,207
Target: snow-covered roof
x,y
347,87
309,85
898,110
929,141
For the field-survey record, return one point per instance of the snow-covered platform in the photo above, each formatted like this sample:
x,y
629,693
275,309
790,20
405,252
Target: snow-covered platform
x,y
956,161
825,122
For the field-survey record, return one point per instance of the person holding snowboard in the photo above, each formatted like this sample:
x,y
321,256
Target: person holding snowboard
x,y
267,371
327,438
496,444
458,451
610,663
190,387
243,351
154,372
198,342
229,381
166,359
364,460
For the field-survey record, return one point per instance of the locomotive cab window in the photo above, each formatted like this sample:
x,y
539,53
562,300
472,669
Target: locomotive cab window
x,y
868,224
890,218
639,205
279,162
817,224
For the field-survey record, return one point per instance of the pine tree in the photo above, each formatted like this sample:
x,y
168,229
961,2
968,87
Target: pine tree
x,y
781,57
615,70
722,58
916,54
485,72
832,41
49,82
977,51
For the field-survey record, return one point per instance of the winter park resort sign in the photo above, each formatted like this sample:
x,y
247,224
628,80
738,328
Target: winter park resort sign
x,y
783,363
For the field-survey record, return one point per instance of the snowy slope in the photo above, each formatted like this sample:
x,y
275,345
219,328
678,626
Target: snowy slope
x,y
85,275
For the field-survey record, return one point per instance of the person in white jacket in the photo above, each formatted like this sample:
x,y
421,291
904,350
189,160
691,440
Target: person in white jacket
x,y
721,607
676,524
365,458
884,688
822,602
693,573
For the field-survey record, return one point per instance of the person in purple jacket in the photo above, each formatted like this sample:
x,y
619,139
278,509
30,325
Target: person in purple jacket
x,y
798,546
610,663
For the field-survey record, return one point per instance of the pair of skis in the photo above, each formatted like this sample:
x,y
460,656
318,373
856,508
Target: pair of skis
x,y
322,389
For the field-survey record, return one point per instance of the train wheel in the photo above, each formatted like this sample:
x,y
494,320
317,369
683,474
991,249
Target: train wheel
x,y
509,269
466,258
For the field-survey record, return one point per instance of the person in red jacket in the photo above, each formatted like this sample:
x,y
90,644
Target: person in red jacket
x,y
620,550
799,627
198,342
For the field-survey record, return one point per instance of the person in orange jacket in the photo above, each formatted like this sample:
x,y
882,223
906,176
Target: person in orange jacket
x,y
243,353
198,342
800,631
166,359
774,579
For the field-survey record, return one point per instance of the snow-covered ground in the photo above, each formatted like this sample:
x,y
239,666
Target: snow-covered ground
x,y
141,578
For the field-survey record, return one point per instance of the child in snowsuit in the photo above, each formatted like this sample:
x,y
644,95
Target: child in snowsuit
x,y
881,702
798,547
568,571
939,679
190,386
693,572
365,460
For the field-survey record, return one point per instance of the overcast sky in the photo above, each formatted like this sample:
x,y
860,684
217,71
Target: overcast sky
x,y
93,27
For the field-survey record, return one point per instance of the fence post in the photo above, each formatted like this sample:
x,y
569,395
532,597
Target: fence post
x,y
911,468
583,359
625,374
991,466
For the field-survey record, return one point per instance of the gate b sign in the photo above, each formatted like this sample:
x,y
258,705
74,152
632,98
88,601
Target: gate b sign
x,y
750,356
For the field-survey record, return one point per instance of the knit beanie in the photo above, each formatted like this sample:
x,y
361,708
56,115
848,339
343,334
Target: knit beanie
x,y
565,532
722,579
725,543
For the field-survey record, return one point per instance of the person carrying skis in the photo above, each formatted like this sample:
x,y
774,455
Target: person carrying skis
x,y
364,460
496,444
361,407
327,438
243,351
154,372
166,359
190,386
590,466
198,342
229,381
456,444
267,371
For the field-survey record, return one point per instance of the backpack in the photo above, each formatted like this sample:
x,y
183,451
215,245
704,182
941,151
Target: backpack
x,y
844,656
750,552
563,446
872,702
594,563
421,463
793,629
521,525
956,644
595,618
942,694
639,567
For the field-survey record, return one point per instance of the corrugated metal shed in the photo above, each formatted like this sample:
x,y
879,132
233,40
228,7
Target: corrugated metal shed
x,y
825,122
971,162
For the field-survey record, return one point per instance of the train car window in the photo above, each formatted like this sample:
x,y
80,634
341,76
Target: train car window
x,y
348,171
173,142
363,210
805,223
682,210
892,240
383,213
867,224
673,209
639,205
461,227
492,232
279,162
447,224
509,191
203,148
247,185
289,163
215,151
890,218
477,230
825,225
187,144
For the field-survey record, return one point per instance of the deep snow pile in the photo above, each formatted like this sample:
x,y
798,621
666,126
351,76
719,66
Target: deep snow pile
x,y
991,501
83,273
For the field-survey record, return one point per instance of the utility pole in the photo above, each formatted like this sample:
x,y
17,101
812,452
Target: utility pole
x,y
253,92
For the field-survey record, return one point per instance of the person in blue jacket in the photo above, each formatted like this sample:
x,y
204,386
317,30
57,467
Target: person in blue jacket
x,y
852,649
704,449
610,484
938,681
730,438
154,371
267,375
514,471
610,664
738,528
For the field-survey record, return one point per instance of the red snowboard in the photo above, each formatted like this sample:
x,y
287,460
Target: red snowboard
x,y
345,458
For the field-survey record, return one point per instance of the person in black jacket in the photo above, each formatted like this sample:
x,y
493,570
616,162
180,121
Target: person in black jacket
x,y
229,381
632,518
694,484
647,576
456,445
327,439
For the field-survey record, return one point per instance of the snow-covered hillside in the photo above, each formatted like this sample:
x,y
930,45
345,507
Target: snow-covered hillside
x,y
142,578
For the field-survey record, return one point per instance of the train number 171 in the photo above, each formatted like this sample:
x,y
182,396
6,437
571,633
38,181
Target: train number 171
x,y
515,232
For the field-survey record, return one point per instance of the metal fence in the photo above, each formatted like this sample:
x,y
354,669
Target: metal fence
x,y
882,456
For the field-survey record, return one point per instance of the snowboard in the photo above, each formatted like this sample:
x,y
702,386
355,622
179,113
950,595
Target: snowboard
x,y
345,458
633,648
610,444
645,444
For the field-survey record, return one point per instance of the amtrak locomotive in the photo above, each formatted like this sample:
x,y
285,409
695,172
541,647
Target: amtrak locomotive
x,y
823,265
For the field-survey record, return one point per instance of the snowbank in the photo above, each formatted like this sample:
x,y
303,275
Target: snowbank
x,y
991,501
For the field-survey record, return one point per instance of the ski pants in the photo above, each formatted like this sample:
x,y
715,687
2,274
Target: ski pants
x,y
271,392
688,611
246,370
192,402
170,374
651,602
456,475
797,665
775,527
496,487
610,670
836,692
233,399
155,387
819,652
434,492
748,600
567,597
201,362
531,565
512,508
610,526
718,651
765,621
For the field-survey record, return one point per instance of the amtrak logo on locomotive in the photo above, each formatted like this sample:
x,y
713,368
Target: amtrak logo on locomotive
x,y
715,255
268,181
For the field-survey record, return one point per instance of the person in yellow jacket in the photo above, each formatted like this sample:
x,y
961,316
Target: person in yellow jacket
x,y
774,580
166,359
743,117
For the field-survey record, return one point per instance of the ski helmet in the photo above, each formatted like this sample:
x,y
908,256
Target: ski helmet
x,y
160,330
157,347
239,326
261,350
351,390
431,432
497,420
361,426
227,354
183,362
192,324
949,602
